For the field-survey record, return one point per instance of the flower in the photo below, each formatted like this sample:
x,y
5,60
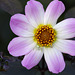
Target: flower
x,y
40,34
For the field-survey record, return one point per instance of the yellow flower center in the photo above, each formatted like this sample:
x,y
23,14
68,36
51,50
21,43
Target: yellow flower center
x,y
45,35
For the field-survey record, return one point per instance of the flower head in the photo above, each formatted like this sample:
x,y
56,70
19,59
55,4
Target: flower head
x,y
39,33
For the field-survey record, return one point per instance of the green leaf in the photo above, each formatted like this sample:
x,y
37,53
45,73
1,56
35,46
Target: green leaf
x,y
11,6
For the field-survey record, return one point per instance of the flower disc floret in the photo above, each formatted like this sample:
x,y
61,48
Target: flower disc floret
x,y
45,36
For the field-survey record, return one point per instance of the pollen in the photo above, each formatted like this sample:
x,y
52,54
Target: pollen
x,y
45,36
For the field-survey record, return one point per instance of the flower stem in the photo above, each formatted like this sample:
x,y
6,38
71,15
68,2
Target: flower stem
x,y
42,73
43,63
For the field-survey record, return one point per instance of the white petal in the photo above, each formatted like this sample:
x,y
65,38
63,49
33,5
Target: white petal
x,y
20,46
33,58
20,26
66,28
53,11
65,46
34,12
54,60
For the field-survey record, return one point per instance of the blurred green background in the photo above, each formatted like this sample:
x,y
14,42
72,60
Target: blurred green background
x,y
10,7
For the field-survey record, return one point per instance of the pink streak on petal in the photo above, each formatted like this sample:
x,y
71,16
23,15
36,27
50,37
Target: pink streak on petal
x,y
66,46
53,11
54,60
66,28
32,59
35,13
56,0
19,25
32,0
20,46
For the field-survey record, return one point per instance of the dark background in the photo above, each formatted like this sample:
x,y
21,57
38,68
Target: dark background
x,y
10,7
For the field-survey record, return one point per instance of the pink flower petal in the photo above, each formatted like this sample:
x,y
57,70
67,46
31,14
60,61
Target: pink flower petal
x,y
19,25
53,11
66,46
20,46
34,12
54,60
32,0
32,59
66,28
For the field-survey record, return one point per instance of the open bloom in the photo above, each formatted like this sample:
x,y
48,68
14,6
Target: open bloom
x,y
40,34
